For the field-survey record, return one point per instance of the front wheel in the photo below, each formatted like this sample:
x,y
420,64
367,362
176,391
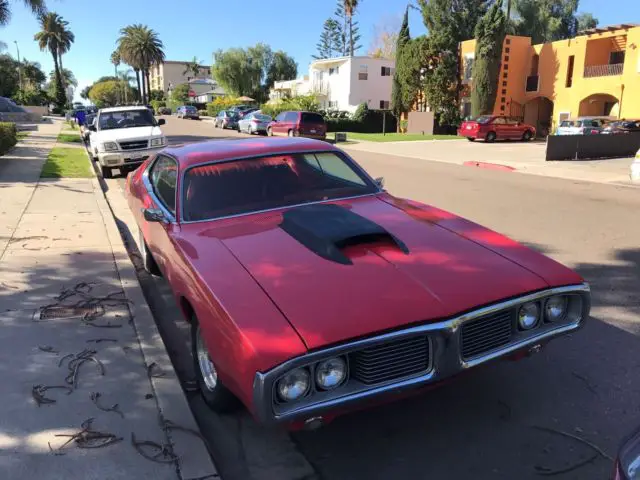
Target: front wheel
x,y
214,393
527,136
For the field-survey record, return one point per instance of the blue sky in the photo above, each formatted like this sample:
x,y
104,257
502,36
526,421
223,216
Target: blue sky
x,y
191,28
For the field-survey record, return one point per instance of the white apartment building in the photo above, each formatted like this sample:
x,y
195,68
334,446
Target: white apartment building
x,y
343,83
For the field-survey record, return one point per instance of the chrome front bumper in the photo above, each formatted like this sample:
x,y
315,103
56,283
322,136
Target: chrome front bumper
x,y
445,360
121,158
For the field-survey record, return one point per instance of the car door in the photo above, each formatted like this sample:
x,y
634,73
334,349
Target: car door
x,y
499,126
278,124
513,129
162,177
290,123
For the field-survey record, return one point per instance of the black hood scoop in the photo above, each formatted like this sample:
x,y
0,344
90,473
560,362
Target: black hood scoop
x,y
327,228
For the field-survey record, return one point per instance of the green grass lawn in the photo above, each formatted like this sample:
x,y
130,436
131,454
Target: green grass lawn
x,y
67,162
398,137
69,137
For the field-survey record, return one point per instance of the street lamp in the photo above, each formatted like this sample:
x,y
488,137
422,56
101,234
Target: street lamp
x,y
19,65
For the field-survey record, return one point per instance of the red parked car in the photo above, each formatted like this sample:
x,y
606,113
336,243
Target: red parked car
x,y
298,124
491,128
310,290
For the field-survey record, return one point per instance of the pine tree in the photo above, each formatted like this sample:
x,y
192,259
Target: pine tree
x,y
490,32
349,33
329,44
397,103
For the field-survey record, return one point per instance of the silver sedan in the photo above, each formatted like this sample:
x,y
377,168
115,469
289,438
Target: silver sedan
x,y
254,122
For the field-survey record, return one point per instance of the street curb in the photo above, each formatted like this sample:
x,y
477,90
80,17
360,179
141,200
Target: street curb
x,y
489,166
194,462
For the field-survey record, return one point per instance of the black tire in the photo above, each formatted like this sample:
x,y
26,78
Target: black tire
x,y
491,137
527,136
148,262
269,132
107,172
471,139
217,396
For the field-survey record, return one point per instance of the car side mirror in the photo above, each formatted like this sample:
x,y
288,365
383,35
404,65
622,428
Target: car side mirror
x,y
161,121
154,215
380,182
92,127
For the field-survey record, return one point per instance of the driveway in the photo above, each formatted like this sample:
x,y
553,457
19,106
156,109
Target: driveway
x,y
489,423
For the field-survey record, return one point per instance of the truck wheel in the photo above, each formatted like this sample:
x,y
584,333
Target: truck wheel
x,y
148,262
214,393
106,172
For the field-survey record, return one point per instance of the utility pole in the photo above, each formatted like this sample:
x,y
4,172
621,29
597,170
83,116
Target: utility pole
x,y
19,66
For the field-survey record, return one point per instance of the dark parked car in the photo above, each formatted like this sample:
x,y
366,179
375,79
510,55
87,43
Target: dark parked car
x,y
298,124
627,466
188,111
226,119
621,127
491,128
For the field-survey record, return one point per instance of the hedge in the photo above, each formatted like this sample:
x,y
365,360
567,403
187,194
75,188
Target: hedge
x,y
372,123
8,136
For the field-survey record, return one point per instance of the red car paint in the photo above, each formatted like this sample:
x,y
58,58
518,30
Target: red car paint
x,y
261,297
499,127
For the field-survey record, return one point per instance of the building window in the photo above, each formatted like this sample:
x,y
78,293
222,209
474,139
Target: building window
x,y
506,66
384,104
467,73
503,100
505,75
333,104
569,81
385,71
507,50
504,91
502,108
504,84
506,58
333,71
616,57
363,73
507,41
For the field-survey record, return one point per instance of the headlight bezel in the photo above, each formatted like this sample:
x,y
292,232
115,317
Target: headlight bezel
x,y
110,146
525,328
316,370
158,142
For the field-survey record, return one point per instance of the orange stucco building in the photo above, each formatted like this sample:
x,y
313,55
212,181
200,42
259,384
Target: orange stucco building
x,y
595,73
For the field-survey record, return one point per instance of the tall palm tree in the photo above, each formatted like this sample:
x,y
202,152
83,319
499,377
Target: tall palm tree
x,y
68,78
115,60
65,39
48,38
140,47
36,6
192,67
349,9
126,78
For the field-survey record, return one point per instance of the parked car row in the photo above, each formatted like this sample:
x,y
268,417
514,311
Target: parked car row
x,y
288,124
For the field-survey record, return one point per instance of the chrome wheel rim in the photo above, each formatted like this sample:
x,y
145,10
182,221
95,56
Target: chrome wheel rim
x,y
207,368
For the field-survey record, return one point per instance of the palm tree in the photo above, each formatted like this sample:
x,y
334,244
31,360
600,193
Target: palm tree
x,y
115,60
349,9
126,78
48,39
140,47
65,39
68,78
36,6
192,67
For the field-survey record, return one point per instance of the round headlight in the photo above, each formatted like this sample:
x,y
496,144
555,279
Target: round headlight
x,y
528,316
293,385
555,308
331,373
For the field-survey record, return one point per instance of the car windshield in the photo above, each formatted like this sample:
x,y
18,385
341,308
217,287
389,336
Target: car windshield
x,y
245,186
484,119
126,119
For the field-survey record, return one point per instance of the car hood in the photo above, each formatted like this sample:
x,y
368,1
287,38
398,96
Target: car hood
x,y
426,267
120,134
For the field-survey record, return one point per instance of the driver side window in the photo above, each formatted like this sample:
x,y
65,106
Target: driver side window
x,y
163,176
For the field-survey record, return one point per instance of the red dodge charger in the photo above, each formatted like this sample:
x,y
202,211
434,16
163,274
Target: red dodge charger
x,y
310,290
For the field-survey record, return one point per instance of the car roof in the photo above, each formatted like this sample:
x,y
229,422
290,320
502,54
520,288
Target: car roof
x,y
220,150
122,109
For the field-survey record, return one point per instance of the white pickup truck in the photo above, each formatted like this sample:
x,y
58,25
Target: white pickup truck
x,y
124,136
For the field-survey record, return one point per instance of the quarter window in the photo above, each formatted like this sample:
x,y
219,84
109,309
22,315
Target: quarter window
x,y
164,173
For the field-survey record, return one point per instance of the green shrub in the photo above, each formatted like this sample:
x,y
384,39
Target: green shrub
x,y
157,104
372,123
219,104
306,103
202,113
361,112
8,136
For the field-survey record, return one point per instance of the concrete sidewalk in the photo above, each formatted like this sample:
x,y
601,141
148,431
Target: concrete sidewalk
x,y
73,316
523,157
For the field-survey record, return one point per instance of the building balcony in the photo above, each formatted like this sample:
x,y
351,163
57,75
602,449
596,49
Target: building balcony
x,y
608,70
320,88
533,82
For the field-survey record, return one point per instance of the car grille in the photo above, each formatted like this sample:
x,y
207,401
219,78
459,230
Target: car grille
x,y
390,361
486,333
134,145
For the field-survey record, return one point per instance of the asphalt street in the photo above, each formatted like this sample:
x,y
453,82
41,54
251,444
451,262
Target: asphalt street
x,y
490,423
